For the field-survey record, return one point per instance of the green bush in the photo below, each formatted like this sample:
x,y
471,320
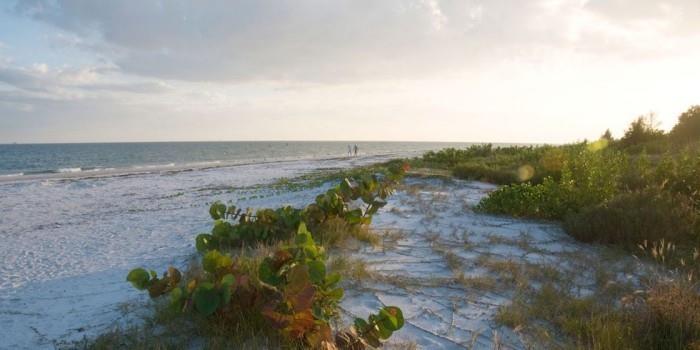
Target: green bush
x,y
479,172
630,218
587,178
637,173
500,165
680,173
548,200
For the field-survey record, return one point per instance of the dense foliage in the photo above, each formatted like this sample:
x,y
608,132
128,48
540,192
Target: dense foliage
x,y
650,213
500,165
291,288
234,228
586,177
602,188
642,130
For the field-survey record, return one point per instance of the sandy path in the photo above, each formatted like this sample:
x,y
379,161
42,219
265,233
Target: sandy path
x,y
450,269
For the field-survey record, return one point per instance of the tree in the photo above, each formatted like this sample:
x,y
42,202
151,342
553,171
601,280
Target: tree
x,y
607,135
688,127
642,130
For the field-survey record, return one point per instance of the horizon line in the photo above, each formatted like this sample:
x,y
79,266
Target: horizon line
x,y
225,141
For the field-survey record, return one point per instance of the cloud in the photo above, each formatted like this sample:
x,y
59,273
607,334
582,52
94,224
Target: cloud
x,y
679,16
341,41
39,81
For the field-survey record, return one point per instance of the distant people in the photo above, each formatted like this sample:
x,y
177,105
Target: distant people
x,y
349,150
356,149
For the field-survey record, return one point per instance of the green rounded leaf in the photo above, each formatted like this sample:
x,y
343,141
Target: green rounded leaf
x,y
221,229
210,261
228,279
391,318
317,271
217,210
332,279
175,295
204,242
303,236
361,325
267,274
206,299
384,333
139,278
225,296
336,294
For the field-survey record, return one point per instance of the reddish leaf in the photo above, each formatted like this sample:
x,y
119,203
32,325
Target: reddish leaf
x,y
301,323
304,299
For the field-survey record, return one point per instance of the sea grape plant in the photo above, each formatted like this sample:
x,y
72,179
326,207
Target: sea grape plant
x,y
306,297
294,293
290,288
148,280
354,200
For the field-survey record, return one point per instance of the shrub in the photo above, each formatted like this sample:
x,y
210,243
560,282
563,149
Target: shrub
x,y
586,323
354,200
656,146
548,200
587,178
592,176
630,218
681,174
479,172
449,157
668,318
637,173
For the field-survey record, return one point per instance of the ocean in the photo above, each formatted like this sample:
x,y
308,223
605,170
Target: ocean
x,y
47,160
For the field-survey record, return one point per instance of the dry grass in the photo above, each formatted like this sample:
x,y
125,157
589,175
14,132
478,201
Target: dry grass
x,y
337,233
668,317
353,270
509,272
484,283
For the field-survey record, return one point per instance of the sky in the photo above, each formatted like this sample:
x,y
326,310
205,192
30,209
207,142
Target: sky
x,y
544,71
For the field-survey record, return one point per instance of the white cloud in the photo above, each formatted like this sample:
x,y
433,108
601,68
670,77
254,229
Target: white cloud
x,y
41,82
353,40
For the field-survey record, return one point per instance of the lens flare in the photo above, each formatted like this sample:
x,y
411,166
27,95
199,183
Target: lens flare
x,y
526,172
598,145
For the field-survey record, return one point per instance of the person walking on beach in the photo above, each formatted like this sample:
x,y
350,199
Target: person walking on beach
x,y
356,149
349,150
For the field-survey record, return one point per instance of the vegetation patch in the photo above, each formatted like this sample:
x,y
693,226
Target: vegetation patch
x,y
285,291
649,214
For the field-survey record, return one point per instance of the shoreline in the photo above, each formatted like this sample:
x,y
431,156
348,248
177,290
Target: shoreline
x,y
174,169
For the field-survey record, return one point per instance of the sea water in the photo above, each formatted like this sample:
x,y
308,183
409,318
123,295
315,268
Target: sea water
x,y
45,159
